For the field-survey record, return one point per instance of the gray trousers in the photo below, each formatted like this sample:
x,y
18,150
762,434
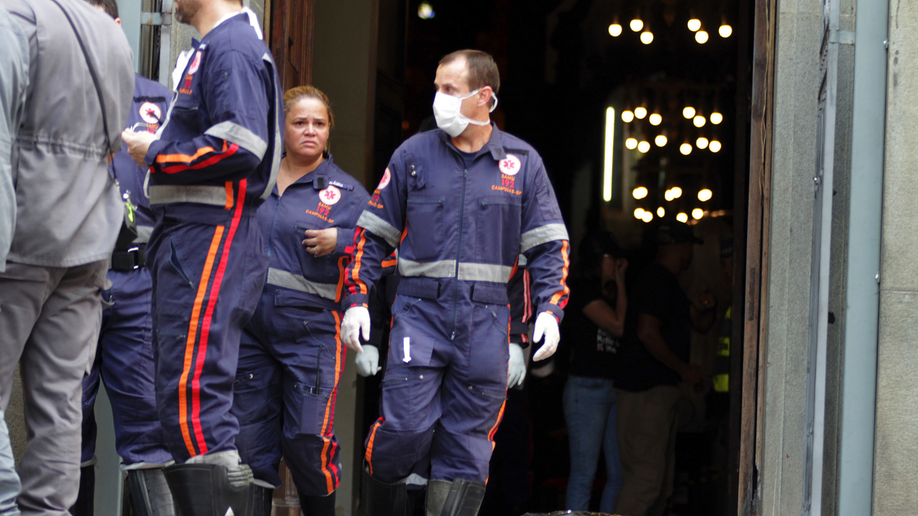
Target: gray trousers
x,y
49,324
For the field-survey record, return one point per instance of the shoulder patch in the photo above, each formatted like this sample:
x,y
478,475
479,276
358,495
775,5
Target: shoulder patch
x,y
384,182
195,63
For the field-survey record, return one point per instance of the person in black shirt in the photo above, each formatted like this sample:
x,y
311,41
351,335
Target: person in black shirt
x,y
596,321
654,358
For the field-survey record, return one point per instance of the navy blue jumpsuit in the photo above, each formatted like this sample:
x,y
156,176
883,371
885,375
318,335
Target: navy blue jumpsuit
x,y
215,162
291,357
459,227
124,357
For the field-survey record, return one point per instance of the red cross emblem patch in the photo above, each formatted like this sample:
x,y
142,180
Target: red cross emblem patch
x,y
330,195
150,113
384,182
510,165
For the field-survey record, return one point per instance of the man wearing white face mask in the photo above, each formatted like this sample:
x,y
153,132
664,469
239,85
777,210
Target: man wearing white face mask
x,y
460,204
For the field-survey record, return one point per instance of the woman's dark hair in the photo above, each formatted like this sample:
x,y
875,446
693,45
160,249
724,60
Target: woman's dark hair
x,y
593,247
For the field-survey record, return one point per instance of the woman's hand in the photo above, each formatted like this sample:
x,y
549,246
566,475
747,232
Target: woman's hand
x,y
320,242
621,267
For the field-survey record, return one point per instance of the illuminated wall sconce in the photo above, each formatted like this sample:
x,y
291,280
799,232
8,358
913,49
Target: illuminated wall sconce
x,y
677,192
705,194
694,24
640,112
661,140
647,37
639,192
697,213
714,146
647,217
682,217
701,142
627,114
661,212
725,30
631,143
639,213
636,24
615,29
701,37
716,118
655,119
698,121
688,112
685,148
643,147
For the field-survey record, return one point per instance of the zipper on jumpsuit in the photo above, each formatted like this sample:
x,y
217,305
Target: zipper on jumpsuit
x,y
465,176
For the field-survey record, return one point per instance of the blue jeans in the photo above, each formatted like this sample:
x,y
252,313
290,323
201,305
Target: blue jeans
x,y
590,411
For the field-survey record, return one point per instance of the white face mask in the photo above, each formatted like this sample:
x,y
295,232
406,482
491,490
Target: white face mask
x,y
446,110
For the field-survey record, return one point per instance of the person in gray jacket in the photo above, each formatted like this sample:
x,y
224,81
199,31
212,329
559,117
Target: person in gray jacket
x,y
81,81
14,79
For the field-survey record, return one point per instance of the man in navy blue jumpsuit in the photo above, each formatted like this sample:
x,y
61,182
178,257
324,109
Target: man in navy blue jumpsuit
x,y
212,164
124,357
461,204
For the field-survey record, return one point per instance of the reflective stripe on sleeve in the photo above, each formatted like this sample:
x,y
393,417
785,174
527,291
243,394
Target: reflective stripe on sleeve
x,y
447,269
239,135
376,225
165,194
281,278
540,235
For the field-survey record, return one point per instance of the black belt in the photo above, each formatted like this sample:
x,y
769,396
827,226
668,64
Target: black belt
x,y
128,260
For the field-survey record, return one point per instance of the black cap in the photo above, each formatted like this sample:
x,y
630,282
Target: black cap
x,y
595,244
676,233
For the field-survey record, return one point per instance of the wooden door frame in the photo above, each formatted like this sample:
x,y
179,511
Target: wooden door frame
x,y
291,39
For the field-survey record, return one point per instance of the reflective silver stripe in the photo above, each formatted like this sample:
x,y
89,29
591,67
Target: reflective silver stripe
x,y
292,281
143,234
241,136
379,227
447,269
165,194
538,236
484,272
441,269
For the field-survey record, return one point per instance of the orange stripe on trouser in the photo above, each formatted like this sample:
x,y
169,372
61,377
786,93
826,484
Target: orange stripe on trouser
x,y
190,342
205,330
500,417
329,420
369,454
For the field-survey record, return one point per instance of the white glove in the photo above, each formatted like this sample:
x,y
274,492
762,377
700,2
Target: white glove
x,y
355,318
367,362
517,366
546,325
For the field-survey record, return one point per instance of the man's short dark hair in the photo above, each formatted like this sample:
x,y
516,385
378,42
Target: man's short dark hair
x,y
482,68
109,6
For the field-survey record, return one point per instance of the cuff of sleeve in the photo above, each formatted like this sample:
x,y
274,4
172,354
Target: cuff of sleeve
x,y
553,309
152,151
520,339
344,240
354,300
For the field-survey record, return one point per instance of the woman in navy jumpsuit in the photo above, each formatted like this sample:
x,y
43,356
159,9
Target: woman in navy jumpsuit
x,y
291,357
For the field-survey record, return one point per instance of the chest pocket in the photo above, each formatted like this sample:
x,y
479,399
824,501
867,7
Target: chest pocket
x,y
426,231
323,269
416,172
498,228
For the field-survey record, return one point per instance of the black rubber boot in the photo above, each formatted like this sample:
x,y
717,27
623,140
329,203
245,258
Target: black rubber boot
x,y
84,505
456,498
318,505
381,499
211,490
263,500
150,494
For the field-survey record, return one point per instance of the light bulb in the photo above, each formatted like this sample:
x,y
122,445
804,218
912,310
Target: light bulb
x,y
668,195
647,217
705,194
639,192
685,149
701,37
640,112
714,146
698,121
615,30
655,119
627,116
425,11
631,143
660,140
682,217
661,212
643,147
725,31
647,37
701,142
677,192
639,213
697,213
688,112
636,25
716,118
694,24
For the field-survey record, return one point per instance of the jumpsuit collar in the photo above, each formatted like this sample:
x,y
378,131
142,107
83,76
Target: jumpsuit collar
x,y
318,177
494,146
